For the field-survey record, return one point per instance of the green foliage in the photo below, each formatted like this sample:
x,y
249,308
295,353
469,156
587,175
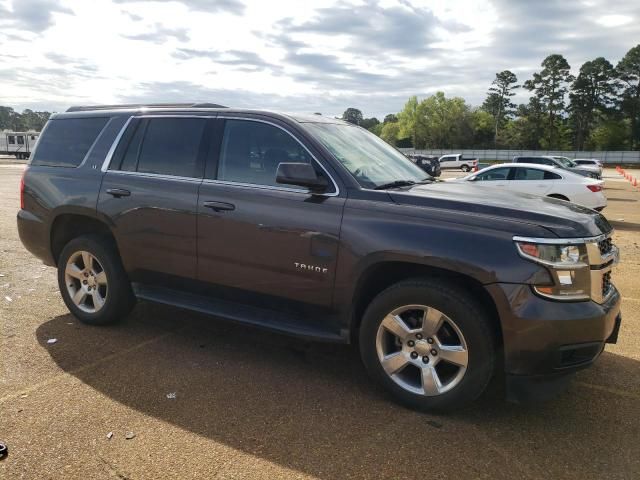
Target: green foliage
x,y
550,87
498,102
27,120
592,95
629,74
610,135
352,115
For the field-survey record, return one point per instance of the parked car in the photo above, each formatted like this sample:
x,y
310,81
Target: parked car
x,y
590,164
317,228
457,161
543,180
560,162
429,164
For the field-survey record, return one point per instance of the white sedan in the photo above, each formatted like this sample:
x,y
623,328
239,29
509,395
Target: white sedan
x,y
542,180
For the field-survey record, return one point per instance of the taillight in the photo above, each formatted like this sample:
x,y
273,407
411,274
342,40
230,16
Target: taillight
x,y
595,188
22,191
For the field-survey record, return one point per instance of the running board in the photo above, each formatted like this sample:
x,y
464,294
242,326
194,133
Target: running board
x,y
240,313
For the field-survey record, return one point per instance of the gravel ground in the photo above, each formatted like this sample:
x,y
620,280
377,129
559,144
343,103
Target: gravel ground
x,y
249,404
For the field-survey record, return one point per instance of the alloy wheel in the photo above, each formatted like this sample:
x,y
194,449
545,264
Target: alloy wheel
x,y
422,350
86,281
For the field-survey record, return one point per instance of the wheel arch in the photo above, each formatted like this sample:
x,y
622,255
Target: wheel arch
x,y
379,276
69,225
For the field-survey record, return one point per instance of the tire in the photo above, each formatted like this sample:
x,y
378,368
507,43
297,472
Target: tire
x,y
558,196
414,384
465,168
107,296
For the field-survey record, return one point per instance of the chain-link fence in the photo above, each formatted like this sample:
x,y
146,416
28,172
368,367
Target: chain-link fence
x,y
609,157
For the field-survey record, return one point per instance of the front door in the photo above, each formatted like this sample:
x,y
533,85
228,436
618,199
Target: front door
x,y
258,236
149,194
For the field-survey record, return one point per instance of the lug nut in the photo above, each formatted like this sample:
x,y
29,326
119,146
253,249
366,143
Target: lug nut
x,y
86,274
411,343
414,355
84,282
419,336
434,351
425,359
429,340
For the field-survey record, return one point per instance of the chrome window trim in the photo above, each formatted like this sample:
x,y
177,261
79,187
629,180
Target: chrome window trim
x,y
157,175
111,152
114,145
273,187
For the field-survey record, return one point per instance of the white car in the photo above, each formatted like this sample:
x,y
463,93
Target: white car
x,y
457,161
543,180
591,164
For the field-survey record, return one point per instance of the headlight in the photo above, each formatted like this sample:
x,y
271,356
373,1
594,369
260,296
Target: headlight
x,y
568,265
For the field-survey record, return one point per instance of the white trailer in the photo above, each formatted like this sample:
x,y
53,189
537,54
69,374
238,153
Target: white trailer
x,y
20,144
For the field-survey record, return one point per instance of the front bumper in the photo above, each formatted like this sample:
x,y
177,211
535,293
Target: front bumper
x,y
545,341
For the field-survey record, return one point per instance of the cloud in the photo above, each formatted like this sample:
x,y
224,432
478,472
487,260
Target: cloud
x,y
32,15
160,34
248,61
372,29
210,6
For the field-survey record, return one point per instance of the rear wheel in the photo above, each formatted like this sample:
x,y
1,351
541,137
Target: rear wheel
x,y
429,344
92,281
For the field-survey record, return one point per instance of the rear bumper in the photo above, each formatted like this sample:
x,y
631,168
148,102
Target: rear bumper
x,y
34,236
545,341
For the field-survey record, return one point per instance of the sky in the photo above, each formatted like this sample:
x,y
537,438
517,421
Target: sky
x,y
292,55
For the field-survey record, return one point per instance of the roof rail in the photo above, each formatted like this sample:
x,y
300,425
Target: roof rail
x,y
88,108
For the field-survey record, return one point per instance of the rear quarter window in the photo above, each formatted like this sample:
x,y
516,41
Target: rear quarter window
x,y
66,141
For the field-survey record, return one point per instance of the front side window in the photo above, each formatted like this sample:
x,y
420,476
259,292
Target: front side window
x,y
492,175
369,159
20,140
164,146
251,152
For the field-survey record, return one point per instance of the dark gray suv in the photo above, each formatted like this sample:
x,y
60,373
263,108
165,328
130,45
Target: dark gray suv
x,y
317,228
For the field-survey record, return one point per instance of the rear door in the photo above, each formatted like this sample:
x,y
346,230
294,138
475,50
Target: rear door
x,y
149,194
258,236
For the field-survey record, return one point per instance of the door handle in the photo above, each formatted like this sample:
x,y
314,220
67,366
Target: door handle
x,y
118,192
219,206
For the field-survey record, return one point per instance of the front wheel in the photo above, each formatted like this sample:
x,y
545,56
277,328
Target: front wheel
x,y
465,168
429,344
92,281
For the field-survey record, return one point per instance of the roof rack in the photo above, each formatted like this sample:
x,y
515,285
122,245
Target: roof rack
x,y
87,108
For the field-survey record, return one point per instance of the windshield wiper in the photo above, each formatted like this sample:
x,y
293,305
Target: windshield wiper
x,y
395,183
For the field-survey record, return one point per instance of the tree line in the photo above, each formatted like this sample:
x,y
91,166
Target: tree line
x,y
20,122
598,109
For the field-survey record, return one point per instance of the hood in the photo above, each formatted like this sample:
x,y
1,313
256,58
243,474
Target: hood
x,y
562,218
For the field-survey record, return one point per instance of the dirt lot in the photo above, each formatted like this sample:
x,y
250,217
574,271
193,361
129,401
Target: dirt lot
x,y
249,404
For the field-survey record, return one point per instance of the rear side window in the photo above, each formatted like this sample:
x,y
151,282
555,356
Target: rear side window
x,y
66,141
20,140
12,140
529,174
165,146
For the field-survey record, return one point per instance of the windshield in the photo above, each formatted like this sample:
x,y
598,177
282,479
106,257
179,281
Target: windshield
x,y
371,160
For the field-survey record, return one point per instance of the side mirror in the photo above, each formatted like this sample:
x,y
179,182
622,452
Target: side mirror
x,y
472,179
302,175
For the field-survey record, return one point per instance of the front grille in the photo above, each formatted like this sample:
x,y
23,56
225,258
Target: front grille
x,y
606,283
605,246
